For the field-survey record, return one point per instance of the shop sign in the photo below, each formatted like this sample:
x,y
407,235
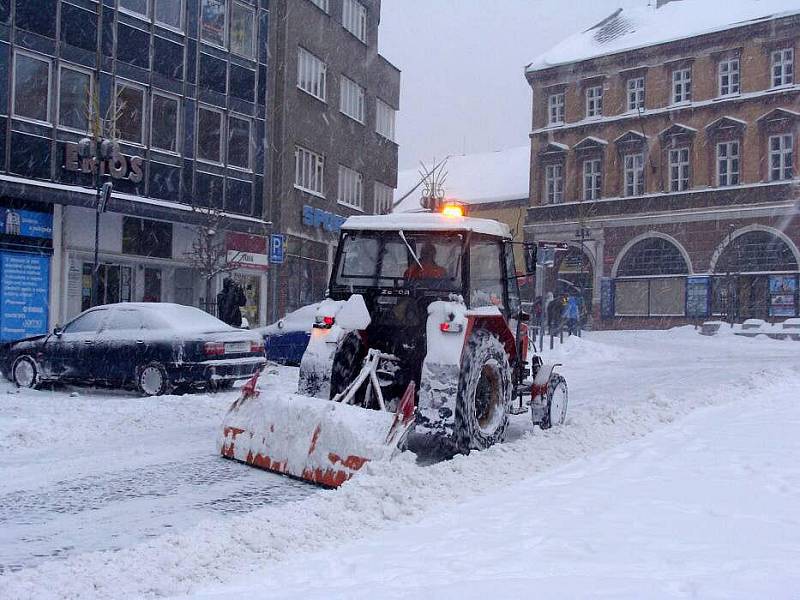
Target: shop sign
x,y
698,297
782,295
24,291
26,223
118,166
247,251
316,218
607,298
277,248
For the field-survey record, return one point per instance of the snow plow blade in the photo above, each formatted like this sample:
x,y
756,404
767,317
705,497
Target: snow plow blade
x,y
320,441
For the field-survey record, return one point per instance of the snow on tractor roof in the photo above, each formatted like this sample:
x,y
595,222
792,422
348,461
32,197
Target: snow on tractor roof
x,y
646,26
425,222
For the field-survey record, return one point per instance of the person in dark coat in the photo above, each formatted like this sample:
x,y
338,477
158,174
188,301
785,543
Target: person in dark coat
x,y
229,303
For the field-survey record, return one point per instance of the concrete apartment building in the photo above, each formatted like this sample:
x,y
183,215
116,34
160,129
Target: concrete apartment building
x,y
664,150
332,112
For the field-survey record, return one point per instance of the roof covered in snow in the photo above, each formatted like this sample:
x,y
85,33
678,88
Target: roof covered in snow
x,y
426,222
474,178
647,26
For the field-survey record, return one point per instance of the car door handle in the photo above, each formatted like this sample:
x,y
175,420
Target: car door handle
x,y
88,342
140,341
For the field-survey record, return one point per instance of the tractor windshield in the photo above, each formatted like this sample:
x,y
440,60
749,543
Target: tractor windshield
x,y
385,259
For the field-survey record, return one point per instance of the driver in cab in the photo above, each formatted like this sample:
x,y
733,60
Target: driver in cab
x,y
427,267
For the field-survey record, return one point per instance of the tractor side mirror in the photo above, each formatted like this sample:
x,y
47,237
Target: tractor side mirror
x,y
530,257
524,317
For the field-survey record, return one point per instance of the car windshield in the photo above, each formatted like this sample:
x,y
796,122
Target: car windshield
x,y
385,259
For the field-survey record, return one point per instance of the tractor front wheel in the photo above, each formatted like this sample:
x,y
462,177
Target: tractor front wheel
x,y
556,397
484,394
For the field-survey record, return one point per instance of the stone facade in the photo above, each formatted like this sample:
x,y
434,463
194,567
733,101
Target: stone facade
x,y
655,234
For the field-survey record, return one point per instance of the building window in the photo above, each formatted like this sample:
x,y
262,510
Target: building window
x,y
554,183
635,93
212,22
634,174
729,77
681,86
782,67
311,74
137,7
130,112
309,171
351,188
74,99
555,109
209,134
144,237
384,119
781,157
354,18
351,99
679,169
169,13
31,87
239,142
164,122
594,101
384,198
728,163
592,179
242,30
321,4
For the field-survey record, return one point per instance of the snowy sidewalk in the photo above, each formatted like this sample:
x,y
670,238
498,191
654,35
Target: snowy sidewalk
x,y
708,508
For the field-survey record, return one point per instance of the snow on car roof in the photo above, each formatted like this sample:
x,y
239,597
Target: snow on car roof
x,y
426,222
647,26
178,317
474,178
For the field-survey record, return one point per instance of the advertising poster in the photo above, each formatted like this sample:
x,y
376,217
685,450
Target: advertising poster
x,y
697,297
782,295
26,223
24,289
606,298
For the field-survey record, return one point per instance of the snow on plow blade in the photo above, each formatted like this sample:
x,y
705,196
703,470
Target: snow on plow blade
x,y
321,441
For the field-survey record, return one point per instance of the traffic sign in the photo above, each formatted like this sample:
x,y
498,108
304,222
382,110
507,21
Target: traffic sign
x,y
277,248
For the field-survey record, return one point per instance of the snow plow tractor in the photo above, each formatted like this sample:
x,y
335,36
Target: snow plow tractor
x,y
422,329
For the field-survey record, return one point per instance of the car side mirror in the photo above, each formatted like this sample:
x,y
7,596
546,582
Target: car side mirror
x,y
57,331
530,257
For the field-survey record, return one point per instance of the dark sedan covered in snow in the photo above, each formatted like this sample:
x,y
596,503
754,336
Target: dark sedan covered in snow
x,y
153,347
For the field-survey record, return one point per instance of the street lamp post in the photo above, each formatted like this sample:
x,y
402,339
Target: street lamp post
x,y
98,150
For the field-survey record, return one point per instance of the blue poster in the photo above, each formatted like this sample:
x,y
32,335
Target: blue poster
x,y
26,223
606,298
24,294
698,297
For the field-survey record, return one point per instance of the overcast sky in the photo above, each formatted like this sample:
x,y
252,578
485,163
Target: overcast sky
x,y
463,87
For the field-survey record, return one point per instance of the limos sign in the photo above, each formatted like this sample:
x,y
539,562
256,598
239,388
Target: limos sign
x,y
118,166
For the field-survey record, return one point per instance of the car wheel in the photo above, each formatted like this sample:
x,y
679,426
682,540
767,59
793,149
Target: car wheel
x,y
25,372
152,380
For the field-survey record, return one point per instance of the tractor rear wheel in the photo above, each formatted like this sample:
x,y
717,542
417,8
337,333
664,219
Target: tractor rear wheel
x,y
484,394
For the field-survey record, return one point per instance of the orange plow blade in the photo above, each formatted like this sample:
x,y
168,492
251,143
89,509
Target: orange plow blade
x,y
317,440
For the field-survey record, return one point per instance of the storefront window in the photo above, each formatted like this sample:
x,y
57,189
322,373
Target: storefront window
x,y
152,285
251,284
144,237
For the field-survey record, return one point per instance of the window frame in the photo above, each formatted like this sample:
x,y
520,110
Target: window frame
x,y
177,121
225,26
85,71
42,58
389,196
737,72
635,95
323,72
249,121
636,187
222,135
145,125
318,170
361,102
680,164
388,110
558,107
358,187
682,84
180,28
594,102
729,160
146,16
359,19
783,62
592,179
786,156
550,181
323,5
254,30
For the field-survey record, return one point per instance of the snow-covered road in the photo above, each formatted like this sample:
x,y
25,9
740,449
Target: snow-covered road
x,y
631,398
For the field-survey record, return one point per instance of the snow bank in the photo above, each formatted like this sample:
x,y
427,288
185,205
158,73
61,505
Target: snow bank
x,y
609,406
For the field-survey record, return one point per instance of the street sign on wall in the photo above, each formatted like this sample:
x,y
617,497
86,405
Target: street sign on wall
x,y
277,248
